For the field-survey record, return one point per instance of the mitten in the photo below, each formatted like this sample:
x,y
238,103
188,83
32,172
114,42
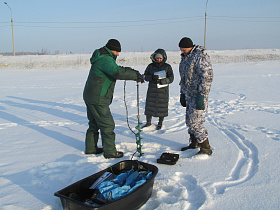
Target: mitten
x,y
200,102
183,100
155,77
139,77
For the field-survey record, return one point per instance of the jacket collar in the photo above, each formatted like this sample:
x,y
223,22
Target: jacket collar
x,y
192,50
110,53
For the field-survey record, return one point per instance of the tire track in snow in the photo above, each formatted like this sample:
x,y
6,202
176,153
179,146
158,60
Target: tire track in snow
x,y
246,165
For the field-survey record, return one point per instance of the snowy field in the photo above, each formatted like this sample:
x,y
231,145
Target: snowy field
x,y
43,124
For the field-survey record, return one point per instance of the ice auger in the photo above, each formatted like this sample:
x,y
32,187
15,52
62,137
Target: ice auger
x,y
138,127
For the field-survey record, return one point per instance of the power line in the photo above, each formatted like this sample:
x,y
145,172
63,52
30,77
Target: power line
x,y
245,19
108,26
112,22
116,24
137,21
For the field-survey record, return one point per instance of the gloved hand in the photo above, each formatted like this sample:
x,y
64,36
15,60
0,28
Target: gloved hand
x,y
183,100
155,77
200,102
139,77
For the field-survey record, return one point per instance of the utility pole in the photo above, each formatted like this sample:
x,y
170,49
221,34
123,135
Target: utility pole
x,y
12,22
205,25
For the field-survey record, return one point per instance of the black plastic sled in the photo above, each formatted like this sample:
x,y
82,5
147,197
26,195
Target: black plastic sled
x,y
73,196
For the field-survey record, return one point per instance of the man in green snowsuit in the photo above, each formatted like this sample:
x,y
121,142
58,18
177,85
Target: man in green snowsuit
x,y
98,95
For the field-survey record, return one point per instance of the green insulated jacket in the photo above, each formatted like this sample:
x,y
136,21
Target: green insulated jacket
x,y
104,72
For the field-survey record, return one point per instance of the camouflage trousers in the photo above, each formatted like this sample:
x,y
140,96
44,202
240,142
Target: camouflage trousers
x,y
195,119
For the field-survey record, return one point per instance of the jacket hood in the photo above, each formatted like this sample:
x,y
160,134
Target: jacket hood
x,y
100,53
159,51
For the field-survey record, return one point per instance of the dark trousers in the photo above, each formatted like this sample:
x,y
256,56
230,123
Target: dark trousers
x,y
149,120
100,118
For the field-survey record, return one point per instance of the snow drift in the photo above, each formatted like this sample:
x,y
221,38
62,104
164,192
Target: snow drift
x,y
131,58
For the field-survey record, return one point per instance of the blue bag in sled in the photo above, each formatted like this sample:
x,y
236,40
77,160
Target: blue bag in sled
x,y
125,185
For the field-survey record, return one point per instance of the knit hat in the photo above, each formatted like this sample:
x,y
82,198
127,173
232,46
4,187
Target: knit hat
x,y
114,44
158,56
185,43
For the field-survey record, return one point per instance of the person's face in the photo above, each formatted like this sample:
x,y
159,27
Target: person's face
x,y
185,51
159,60
115,52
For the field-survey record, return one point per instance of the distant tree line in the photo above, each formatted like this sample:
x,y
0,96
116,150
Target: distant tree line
x,y
42,52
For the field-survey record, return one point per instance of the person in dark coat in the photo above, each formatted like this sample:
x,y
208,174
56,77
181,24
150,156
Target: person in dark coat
x,y
158,90
98,95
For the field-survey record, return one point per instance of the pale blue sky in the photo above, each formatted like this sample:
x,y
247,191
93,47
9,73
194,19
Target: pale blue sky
x,y
82,26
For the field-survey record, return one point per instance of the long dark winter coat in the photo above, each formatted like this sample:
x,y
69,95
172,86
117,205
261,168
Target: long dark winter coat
x,y
157,98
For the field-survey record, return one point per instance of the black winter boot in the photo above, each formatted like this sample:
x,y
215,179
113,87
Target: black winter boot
x,y
149,121
96,152
91,144
193,143
204,148
159,126
118,154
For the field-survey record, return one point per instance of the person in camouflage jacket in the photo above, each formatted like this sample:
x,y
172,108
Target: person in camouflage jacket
x,y
196,77
98,95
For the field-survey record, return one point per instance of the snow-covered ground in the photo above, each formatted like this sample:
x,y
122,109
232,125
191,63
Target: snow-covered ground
x,y
43,123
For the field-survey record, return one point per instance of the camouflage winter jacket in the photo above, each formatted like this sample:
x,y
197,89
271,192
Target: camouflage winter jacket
x,y
196,72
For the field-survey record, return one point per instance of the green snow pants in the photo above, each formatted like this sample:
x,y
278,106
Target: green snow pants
x,y
100,118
